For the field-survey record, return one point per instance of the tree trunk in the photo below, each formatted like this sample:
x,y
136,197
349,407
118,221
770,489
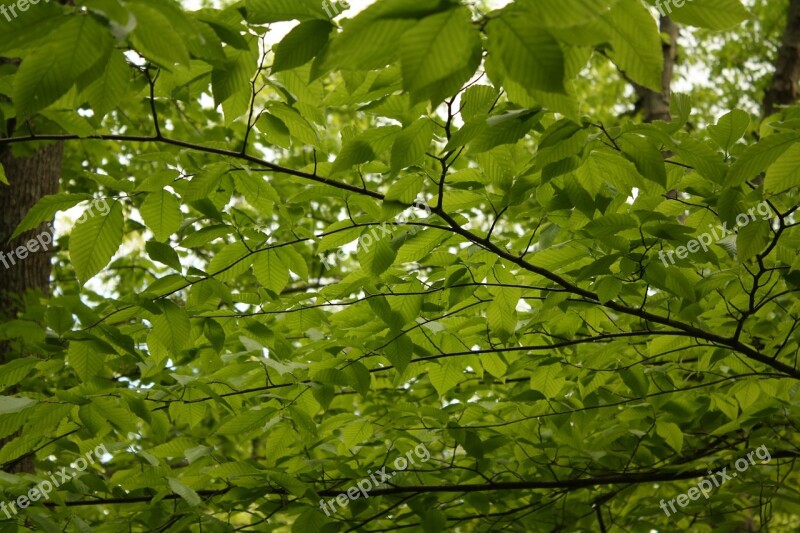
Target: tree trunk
x,y
30,179
655,105
783,90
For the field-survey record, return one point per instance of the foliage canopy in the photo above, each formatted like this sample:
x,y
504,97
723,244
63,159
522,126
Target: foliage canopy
x,y
525,328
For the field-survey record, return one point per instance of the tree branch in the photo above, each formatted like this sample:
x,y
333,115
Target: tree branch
x,y
569,484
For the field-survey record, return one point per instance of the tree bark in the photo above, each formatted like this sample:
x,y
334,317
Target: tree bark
x,y
783,89
30,179
655,105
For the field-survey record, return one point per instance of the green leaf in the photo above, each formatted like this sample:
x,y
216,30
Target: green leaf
x,y
747,394
366,45
636,43
234,75
290,483
729,128
161,211
703,158
300,128
501,313
106,92
301,44
370,40
46,208
172,327
230,262
193,454
419,246
636,380
526,53
309,520
214,333
204,39
205,182
477,100
163,253
94,241
13,404
711,14
730,204
758,157
565,13
206,235
3,178
493,363
547,380
275,130
85,359
304,422
607,288
353,153
752,239
15,371
784,173
188,495
438,47
434,521
70,122
356,433
331,376
671,433
561,140
610,225
266,11
647,158
282,368
507,128
339,234
670,279
246,421
436,93
410,146
225,27
445,375
559,256
48,73
295,261
480,502
613,168
399,353
155,38
405,189
680,109
379,257
271,271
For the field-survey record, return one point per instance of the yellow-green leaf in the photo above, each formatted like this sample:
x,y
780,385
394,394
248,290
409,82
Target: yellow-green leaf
x,y
94,241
